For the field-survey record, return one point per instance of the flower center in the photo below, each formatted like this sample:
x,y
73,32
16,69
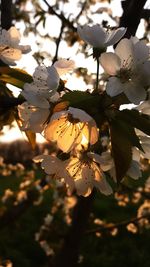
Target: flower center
x,y
71,119
3,48
124,75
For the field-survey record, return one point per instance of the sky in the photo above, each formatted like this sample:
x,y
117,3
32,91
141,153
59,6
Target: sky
x,y
14,133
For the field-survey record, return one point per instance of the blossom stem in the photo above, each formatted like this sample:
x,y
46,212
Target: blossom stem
x,y
97,75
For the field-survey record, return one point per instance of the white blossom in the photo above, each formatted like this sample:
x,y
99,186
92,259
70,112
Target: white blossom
x,y
33,118
71,128
43,88
63,66
145,144
10,49
107,164
86,171
98,37
55,167
134,170
130,69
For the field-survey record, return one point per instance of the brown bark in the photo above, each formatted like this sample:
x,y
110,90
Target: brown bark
x,y
68,255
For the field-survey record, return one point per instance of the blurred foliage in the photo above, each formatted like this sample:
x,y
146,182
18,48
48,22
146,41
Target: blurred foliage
x,y
36,233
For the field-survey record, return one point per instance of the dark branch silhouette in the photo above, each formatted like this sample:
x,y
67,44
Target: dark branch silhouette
x,y
58,43
66,22
133,10
6,14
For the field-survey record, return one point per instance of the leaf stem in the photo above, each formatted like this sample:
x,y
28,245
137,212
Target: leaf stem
x,y
97,74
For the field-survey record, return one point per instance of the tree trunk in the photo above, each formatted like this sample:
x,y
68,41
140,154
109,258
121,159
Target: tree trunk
x,y
68,255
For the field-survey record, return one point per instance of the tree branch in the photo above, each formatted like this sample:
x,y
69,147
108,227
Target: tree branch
x,y
68,255
145,14
7,102
131,16
6,14
65,21
117,225
82,9
58,43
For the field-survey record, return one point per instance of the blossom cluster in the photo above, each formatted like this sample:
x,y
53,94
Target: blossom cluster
x,y
84,156
10,49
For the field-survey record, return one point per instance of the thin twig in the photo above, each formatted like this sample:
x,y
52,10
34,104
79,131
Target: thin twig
x,y
131,16
58,42
117,225
60,16
97,75
81,11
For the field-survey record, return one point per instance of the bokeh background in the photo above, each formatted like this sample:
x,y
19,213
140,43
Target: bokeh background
x,y
40,224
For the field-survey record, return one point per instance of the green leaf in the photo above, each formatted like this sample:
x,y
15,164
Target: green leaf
x,y
131,183
83,100
129,132
4,91
135,119
121,149
16,77
77,97
12,81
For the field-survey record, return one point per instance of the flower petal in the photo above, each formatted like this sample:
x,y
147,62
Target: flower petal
x,y
38,119
125,52
35,100
134,170
80,114
114,36
63,66
110,62
114,87
9,55
145,107
94,134
51,164
52,78
134,92
25,48
52,130
40,75
141,51
103,186
67,139
14,36
94,35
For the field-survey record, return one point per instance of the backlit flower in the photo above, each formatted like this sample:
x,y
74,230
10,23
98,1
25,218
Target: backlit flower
x,y
86,171
131,69
33,118
70,128
98,37
53,166
10,49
